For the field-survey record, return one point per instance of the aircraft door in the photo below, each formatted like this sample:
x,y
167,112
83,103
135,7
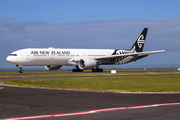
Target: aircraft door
x,y
27,55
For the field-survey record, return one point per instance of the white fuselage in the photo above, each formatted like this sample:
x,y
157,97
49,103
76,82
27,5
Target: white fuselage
x,y
51,56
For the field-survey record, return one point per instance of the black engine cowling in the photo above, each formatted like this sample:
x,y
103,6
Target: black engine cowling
x,y
87,64
49,67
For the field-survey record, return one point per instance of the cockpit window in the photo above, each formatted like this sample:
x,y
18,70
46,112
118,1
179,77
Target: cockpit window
x,y
13,54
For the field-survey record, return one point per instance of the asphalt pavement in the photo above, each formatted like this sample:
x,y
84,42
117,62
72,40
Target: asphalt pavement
x,y
23,102
16,102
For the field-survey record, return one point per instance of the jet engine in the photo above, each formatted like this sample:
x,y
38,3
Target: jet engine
x,y
87,63
49,67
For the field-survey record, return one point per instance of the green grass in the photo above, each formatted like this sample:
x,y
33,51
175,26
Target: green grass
x,y
109,84
86,73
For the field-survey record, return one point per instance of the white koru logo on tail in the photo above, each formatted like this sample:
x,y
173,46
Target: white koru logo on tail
x,y
140,41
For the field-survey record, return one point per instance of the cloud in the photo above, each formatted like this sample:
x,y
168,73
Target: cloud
x,y
162,34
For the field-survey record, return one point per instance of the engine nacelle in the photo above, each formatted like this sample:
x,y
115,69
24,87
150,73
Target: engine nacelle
x,y
87,63
49,67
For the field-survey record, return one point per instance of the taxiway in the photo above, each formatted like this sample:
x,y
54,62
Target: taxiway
x,y
18,102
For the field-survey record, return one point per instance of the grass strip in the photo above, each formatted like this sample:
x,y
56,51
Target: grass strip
x,y
110,84
84,74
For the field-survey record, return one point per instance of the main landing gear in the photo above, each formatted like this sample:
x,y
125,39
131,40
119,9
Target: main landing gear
x,y
93,70
77,69
97,70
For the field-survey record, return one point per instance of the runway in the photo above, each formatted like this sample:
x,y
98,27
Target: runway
x,y
18,102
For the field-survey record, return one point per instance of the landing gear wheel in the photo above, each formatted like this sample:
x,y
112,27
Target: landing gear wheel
x,y
97,70
77,70
101,70
21,71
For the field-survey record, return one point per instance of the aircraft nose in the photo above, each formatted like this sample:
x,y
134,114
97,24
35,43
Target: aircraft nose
x,y
11,59
8,59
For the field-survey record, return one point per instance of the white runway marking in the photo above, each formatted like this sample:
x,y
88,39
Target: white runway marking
x,y
91,111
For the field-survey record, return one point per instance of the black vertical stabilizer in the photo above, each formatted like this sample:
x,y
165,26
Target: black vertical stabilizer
x,y
139,44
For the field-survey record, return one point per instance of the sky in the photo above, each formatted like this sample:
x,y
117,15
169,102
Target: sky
x,y
104,24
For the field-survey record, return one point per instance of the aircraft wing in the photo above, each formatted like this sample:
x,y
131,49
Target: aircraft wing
x,y
131,54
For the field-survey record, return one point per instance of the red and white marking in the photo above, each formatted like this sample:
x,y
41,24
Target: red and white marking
x,y
91,111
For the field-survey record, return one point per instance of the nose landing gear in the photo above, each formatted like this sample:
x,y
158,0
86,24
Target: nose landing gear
x,y
21,70
20,67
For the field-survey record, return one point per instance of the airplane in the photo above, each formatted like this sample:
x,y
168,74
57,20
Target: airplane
x,y
82,59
